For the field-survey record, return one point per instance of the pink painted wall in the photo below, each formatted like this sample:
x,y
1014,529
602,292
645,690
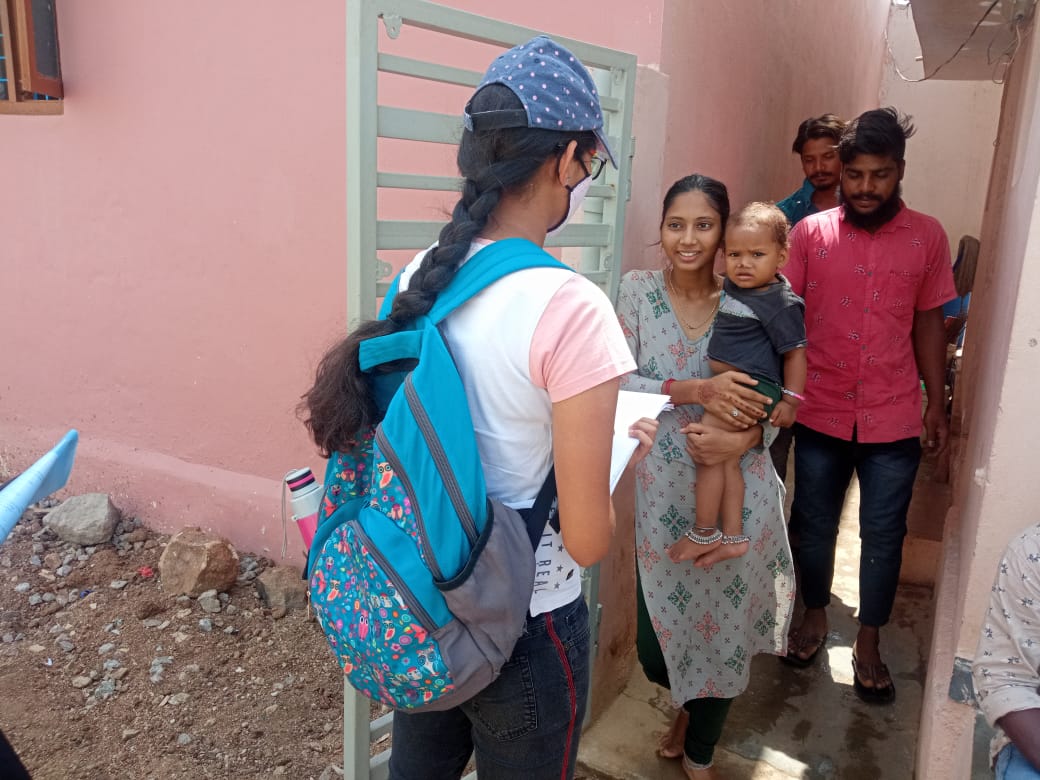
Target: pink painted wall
x,y
744,74
173,254
634,28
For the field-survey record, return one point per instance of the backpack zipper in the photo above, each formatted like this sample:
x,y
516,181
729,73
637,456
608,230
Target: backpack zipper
x,y
395,463
413,604
440,458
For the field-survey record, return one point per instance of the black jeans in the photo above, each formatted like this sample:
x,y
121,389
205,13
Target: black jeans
x,y
524,726
823,467
779,451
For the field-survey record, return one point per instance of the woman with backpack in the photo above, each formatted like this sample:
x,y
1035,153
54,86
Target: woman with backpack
x,y
541,356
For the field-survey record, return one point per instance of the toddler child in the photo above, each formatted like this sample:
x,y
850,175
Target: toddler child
x,y
759,330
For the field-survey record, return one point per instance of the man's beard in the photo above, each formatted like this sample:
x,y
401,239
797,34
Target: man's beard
x,y
826,183
885,212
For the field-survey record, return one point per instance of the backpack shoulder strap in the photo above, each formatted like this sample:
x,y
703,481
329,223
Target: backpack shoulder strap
x,y
544,512
487,266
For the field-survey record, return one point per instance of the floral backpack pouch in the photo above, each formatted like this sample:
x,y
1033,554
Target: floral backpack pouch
x,y
420,580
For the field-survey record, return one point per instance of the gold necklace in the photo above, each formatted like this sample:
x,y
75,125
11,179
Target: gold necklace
x,y
675,308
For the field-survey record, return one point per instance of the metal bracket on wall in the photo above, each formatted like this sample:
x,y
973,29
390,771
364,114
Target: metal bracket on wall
x,y
392,23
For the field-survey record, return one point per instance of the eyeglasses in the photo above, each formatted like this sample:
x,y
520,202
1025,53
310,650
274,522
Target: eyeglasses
x,y
594,167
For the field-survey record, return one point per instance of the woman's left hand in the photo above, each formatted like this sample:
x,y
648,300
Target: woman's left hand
x,y
711,446
644,429
731,396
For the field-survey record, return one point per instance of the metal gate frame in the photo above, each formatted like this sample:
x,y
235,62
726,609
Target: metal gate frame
x,y
600,236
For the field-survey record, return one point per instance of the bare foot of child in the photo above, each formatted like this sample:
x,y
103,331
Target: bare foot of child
x,y
685,550
721,552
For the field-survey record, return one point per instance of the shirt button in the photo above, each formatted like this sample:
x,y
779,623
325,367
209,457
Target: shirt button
x,y
859,382
870,273
866,309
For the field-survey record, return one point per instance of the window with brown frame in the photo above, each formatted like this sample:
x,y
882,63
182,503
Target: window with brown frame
x,y
30,65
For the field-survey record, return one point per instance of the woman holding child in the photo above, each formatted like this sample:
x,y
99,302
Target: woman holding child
x,y
708,599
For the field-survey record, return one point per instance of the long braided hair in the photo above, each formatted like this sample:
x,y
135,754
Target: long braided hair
x,y
341,403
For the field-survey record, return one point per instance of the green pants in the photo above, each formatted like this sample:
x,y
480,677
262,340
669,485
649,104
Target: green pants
x,y
768,387
707,715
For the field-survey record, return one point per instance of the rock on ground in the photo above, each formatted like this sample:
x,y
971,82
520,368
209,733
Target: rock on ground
x,y
87,519
282,589
196,561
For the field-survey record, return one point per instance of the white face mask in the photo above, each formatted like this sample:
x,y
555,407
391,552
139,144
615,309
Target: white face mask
x,y
577,195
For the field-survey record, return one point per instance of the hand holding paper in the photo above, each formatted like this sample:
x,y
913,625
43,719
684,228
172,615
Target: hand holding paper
x,y
631,407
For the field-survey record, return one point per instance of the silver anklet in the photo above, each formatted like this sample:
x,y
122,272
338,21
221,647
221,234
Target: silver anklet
x,y
740,539
696,538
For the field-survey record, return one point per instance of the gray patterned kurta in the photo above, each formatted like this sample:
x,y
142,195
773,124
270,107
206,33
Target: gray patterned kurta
x,y
709,623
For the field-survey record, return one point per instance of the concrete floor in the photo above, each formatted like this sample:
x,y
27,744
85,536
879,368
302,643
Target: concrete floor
x,y
792,723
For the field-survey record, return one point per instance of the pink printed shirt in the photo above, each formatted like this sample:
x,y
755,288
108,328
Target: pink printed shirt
x,y
861,291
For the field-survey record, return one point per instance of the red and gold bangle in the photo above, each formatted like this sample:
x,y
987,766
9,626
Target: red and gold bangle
x,y
666,388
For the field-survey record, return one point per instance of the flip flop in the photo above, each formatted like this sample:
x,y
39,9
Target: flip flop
x,y
873,672
799,643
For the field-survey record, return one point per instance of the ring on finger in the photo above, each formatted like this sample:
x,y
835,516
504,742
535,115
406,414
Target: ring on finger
x,y
735,412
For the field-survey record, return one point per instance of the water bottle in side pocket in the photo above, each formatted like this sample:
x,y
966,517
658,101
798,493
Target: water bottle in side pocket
x,y
304,501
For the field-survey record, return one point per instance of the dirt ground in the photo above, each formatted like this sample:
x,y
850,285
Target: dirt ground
x,y
103,675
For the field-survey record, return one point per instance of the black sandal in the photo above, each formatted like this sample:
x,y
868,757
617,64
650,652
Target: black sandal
x,y
874,672
799,643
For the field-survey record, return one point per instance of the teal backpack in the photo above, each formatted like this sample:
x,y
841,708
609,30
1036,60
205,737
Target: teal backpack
x,y
420,580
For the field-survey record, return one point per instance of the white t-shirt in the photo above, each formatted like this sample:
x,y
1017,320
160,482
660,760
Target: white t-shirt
x,y
535,337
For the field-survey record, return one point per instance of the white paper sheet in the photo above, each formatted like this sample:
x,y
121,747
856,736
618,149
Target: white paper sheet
x,y
631,407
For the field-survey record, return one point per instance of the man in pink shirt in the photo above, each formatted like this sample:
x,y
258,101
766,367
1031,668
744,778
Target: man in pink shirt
x,y
874,275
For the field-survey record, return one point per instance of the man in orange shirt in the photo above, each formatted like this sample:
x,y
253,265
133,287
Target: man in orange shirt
x,y
874,275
